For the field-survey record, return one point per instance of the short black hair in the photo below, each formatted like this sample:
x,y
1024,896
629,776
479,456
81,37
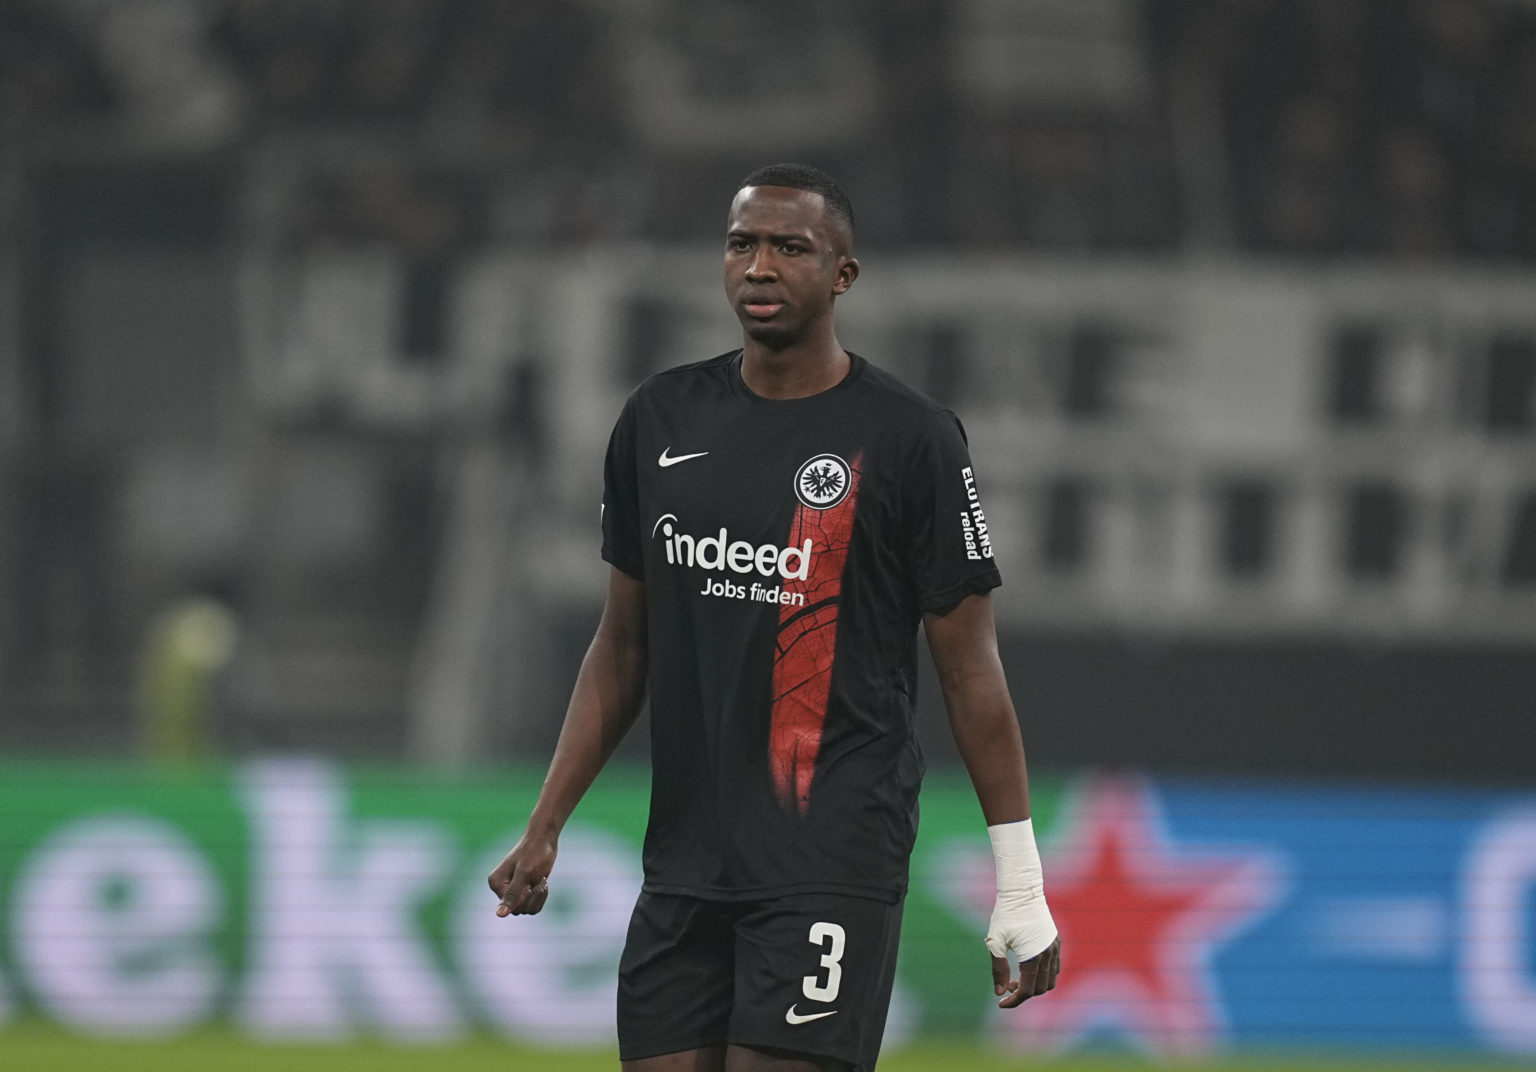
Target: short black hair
x,y
805,177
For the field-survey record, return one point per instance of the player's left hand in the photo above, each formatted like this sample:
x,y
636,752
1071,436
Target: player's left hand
x,y
1036,976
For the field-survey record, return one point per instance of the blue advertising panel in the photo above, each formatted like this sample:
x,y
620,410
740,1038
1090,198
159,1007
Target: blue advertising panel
x,y
1205,915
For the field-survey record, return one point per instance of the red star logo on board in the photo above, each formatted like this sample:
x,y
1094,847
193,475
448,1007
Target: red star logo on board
x,y
1140,918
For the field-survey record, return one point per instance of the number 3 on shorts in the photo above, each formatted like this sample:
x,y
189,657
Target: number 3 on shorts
x,y
831,937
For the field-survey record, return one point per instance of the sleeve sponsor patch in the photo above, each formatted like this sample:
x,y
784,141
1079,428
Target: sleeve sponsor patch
x,y
973,521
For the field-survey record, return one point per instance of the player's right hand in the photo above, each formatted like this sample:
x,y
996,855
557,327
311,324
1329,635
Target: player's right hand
x,y
521,880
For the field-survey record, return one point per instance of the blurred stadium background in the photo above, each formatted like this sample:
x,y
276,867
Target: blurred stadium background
x,y
314,319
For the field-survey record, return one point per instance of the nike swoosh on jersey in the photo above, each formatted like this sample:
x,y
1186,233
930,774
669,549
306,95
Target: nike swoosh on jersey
x,y
665,461
793,1017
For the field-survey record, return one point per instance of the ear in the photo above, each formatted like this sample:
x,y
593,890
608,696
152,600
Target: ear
x,y
847,272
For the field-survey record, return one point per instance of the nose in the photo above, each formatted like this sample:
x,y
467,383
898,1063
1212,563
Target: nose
x,y
760,267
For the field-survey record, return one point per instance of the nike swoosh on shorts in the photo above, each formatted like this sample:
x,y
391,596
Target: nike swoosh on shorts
x,y
792,1017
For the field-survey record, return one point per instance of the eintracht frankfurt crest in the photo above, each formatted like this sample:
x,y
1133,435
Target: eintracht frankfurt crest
x,y
823,481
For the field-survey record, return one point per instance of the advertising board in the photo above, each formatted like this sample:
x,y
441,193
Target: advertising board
x,y
303,899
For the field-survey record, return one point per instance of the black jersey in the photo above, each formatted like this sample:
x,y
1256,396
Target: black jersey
x,y
788,548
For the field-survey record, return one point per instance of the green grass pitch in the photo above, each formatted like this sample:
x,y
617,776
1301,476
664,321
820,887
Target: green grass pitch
x,y
48,1049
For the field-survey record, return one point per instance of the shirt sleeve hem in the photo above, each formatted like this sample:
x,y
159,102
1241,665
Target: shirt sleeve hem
x,y
624,565
976,584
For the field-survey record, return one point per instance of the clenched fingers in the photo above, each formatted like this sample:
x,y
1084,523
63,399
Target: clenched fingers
x,y
1020,990
1036,976
1045,978
521,898
1000,983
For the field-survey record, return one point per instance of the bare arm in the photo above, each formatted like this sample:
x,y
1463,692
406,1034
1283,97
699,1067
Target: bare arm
x,y
604,704
963,642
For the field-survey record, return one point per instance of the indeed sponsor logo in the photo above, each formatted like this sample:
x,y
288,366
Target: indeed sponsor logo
x,y
738,556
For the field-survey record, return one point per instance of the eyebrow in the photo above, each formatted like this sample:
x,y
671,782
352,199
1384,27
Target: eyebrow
x,y
788,236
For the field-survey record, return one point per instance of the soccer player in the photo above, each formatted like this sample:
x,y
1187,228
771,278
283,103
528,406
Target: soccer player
x,y
778,520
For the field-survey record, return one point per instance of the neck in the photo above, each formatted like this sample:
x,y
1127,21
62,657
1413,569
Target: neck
x,y
794,372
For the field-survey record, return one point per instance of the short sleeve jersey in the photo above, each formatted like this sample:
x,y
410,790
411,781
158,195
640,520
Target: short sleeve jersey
x,y
788,549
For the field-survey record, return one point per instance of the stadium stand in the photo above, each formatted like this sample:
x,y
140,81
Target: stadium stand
x,y
325,306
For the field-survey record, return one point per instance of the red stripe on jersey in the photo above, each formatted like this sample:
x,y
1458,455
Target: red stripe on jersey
x,y
807,644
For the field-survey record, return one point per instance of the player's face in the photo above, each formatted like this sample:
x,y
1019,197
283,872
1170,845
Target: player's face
x,y
785,262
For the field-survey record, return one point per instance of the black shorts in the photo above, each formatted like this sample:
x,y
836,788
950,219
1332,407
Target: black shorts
x,y
807,973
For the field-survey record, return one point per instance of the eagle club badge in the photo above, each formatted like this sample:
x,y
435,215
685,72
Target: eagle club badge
x,y
823,482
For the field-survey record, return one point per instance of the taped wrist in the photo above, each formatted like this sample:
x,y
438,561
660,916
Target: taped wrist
x,y
1020,919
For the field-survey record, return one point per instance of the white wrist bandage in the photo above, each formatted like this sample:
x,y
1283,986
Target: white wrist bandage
x,y
1020,920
